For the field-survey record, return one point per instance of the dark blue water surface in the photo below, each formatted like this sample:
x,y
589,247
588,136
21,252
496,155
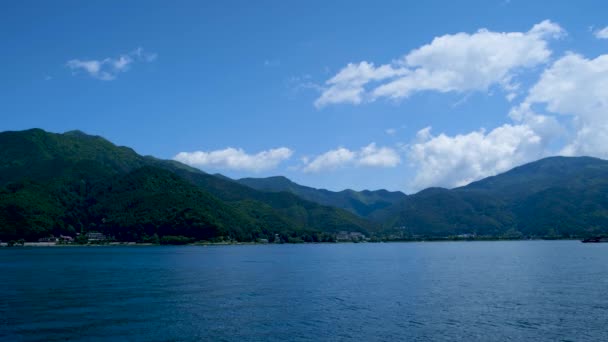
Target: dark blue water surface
x,y
468,291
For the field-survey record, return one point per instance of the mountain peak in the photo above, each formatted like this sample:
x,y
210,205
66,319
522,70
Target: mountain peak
x,y
558,171
76,132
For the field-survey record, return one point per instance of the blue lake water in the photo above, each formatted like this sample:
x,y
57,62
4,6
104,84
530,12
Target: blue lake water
x,y
468,291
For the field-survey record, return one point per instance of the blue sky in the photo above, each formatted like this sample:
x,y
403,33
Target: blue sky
x,y
341,94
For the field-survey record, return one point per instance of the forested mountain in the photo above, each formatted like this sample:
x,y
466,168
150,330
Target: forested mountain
x,y
552,197
74,183
369,204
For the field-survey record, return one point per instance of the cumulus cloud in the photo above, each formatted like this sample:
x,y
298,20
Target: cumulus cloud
x,y
451,63
573,90
374,156
451,161
370,155
330,160
348,85
107,69
577,88
565,112
601,34
235,159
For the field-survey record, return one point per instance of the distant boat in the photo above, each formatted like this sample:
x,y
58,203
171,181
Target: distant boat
x,y
595,239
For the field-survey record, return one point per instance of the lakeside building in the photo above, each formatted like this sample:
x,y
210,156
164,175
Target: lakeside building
x,y
61,239
48,239
345,236
66,239
466,236
95,236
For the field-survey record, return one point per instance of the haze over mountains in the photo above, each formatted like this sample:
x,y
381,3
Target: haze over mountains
x,y
72,183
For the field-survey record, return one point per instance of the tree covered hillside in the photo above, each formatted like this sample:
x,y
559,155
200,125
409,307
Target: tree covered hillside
x,y
74,183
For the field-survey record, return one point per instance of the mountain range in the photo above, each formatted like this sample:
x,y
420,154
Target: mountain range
x,y
552,197
74,183
71,183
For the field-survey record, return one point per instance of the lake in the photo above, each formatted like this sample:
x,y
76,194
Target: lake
x,y
432,291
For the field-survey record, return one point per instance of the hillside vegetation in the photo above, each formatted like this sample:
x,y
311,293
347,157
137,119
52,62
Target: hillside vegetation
x,y
65,184
74,183
556,197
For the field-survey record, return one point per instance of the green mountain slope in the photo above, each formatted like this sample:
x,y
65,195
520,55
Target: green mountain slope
x,y
299,212
36,154
566,172
151,201
369,204
73,182
552,197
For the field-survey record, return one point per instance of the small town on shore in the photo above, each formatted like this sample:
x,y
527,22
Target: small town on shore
x,y
97,238
94,238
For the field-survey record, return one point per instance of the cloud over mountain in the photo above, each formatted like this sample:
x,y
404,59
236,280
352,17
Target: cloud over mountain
x,y
369,156
575,87
450,161
235,159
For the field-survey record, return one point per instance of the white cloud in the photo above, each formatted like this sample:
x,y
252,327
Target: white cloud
x,y
348,85
390,131
235,159
107,69
451,161
122,63
330,160
565,112
575,87
144,55
601,34
370,156
451,63
572,90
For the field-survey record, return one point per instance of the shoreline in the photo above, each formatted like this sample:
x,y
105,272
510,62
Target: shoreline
x,y
206,244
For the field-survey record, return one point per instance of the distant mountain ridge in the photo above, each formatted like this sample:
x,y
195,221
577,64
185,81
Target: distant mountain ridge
x,y
552,197
363,203
73,182
572,172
